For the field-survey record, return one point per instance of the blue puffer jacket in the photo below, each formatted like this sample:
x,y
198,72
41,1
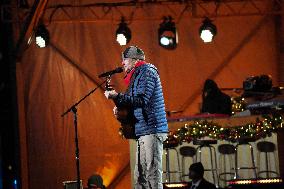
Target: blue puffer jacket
x,y
145,95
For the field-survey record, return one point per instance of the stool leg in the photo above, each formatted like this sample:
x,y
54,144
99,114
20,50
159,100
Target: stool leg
x,y
212,168
252,158
222,165
168,177
232,164
221,157
182,168
216,167
225,167
198,151
236,163
178,164
266,164
258,162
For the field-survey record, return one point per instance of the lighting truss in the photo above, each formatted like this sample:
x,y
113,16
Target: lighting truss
x,y
93,12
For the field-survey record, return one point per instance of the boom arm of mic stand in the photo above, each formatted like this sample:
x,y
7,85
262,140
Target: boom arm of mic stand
x,y
77,103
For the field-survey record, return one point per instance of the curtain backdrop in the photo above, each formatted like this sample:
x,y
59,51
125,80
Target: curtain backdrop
x,y
51,79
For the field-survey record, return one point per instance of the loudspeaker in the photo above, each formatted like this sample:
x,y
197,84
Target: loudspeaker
x,y
72,184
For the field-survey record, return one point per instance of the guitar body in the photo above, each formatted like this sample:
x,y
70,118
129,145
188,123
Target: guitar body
x,y
125,115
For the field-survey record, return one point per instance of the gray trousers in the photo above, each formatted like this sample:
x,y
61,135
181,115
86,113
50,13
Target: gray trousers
x,y
148,168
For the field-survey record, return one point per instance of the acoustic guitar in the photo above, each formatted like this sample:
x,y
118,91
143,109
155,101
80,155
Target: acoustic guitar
x,y
125,115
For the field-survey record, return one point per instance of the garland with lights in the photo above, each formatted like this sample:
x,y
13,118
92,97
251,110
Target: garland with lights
x,y
257,130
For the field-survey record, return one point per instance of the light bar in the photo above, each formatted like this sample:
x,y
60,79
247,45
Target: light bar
x,y
175,185
259,181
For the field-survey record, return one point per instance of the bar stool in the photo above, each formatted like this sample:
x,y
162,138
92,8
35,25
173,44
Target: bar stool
x,y
245,142
226,150
208,144
170,145
267,147
186,152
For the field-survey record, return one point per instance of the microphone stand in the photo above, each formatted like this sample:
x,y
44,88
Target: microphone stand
x,y
74,110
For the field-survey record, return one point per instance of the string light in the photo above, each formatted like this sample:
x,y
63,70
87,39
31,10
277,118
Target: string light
x,y
204,128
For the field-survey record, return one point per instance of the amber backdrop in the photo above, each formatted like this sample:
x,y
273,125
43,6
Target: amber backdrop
x,y
48,83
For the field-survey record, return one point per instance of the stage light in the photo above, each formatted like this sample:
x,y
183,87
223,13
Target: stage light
x,y
207,30
42,36
123,33
167,34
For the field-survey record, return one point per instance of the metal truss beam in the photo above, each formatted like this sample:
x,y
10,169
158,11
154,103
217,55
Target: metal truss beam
x,y
94,12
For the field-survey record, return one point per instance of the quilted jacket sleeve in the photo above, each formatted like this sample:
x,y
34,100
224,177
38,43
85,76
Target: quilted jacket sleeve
x,y
144,85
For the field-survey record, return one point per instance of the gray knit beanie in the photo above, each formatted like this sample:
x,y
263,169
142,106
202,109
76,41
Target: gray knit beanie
x,y
133,52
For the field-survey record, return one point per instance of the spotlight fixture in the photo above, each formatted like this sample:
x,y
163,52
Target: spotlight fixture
x,y
123,33
42,36
207,31
167,34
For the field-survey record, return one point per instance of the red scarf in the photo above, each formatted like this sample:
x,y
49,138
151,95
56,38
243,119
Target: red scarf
x,y
128,76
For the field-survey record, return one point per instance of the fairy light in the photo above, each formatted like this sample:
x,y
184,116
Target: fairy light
x,y
259,181
204,128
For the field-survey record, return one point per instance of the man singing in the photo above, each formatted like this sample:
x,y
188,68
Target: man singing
x,y
144,95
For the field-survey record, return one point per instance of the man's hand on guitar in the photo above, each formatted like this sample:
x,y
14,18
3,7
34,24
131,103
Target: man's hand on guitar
x,y
111,94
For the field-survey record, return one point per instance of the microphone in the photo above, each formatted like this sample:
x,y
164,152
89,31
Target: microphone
x,y
109,73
